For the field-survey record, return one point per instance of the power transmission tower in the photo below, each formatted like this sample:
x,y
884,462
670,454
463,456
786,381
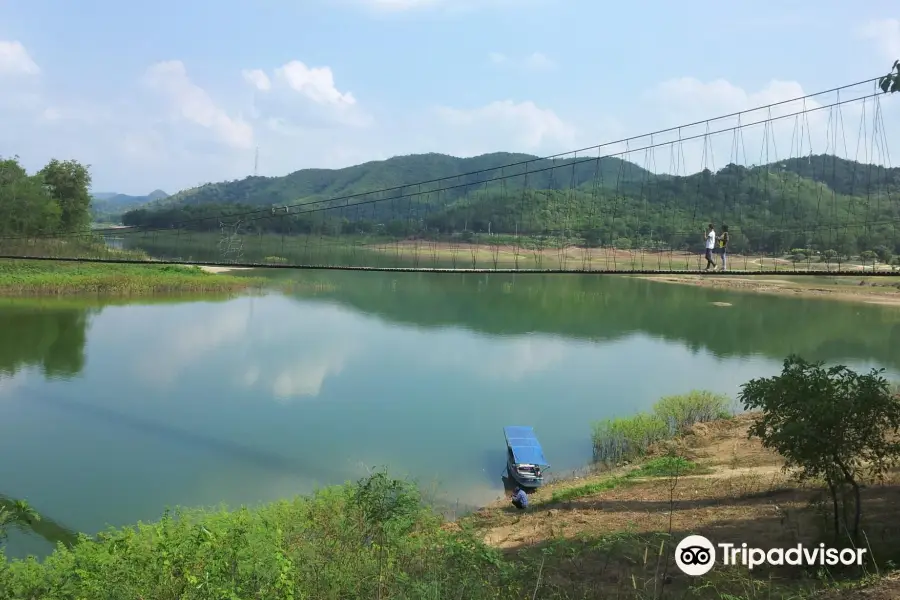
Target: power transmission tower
x,y
256,163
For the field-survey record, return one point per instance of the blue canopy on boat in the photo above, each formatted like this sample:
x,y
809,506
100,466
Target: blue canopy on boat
x,y
524,445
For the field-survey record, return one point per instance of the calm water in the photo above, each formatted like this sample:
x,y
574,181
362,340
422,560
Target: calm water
x,y
110,413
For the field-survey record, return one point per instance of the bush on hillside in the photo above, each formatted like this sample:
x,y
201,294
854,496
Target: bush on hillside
x,y
372,539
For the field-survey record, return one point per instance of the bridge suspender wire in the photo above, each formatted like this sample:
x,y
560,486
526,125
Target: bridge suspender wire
x,y
894,212
784,192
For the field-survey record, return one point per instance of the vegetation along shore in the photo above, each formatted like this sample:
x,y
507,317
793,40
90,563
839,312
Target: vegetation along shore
x,y
24,278
687,466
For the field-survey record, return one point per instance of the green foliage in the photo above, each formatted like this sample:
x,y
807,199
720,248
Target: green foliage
x,y
16,514
68,183
890,83
628,437
54,200
665,466
320,547
20,278
697,406
829,423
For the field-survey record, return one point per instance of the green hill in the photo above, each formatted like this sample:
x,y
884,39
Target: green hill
x,y
819,202
310,185
109,206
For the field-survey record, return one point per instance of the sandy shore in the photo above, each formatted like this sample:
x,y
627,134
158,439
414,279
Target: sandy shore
x,y
868,290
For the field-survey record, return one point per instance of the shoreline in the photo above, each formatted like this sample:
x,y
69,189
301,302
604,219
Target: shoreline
x,y
72,279
862,289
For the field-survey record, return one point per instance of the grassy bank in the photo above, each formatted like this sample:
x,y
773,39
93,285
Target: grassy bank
x,y
32,278
604,536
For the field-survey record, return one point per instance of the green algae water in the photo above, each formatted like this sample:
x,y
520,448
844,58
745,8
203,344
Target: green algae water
x,y
110,413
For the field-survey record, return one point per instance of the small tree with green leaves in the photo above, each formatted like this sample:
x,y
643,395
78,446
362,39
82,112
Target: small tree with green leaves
x,y
868,257
16,514
890,83
828,257
828,423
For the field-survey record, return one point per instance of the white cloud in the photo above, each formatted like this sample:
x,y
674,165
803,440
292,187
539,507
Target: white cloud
x,y
257,79
15,60
886,35
194,104
296,100
503,125
316,83
533,62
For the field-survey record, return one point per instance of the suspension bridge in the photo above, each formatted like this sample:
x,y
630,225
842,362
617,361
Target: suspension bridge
x,y
804,185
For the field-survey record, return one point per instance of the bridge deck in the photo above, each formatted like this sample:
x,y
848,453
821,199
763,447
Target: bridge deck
x,y
250,265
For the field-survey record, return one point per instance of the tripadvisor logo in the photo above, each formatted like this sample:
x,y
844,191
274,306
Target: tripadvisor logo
x,y
695,555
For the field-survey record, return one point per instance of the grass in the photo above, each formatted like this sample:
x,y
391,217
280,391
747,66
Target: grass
x,y
663,466
27,278
622,439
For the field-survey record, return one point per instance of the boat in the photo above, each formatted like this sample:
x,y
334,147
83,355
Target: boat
x,y
525,460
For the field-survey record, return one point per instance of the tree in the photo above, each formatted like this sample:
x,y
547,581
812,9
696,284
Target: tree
x,y
890,83
828,257
884,254
830,423
69,183
26,207
16,514
868,257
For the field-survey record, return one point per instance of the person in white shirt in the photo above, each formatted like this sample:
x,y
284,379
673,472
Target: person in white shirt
x,y
710,246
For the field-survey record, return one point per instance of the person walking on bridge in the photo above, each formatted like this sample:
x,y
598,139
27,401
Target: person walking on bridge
x,y
710,247
723,245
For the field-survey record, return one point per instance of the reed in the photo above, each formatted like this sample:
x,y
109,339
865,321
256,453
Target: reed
x,y
626,438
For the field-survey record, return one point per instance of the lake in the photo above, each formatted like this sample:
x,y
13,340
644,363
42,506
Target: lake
x,y
109,413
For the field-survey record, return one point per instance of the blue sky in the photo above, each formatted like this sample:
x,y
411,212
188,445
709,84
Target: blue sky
x,y
169,94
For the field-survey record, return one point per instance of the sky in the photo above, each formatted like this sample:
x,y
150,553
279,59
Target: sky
x,y
171,95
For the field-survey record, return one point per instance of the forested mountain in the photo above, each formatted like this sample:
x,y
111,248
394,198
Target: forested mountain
x,y
820,202
488,170
106,206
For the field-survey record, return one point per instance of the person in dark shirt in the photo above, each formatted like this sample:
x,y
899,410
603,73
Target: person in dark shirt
x,y
520,499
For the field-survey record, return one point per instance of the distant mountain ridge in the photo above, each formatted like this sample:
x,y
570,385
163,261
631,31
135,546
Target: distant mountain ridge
x,y
109,206
460,174
126,199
